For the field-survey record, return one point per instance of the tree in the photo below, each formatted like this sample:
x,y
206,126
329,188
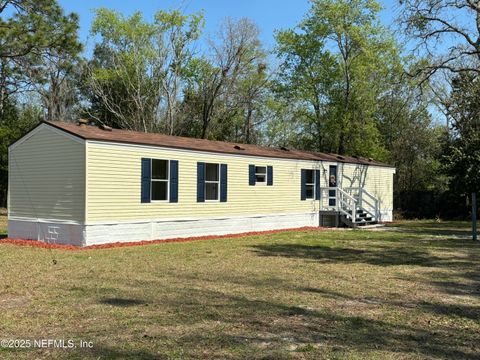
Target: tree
x,y
179,32
54,79
434,23
30,32
252,93
336,61
222,85
457,23
37,43
14,123
133,80
307,77
462,158
413,142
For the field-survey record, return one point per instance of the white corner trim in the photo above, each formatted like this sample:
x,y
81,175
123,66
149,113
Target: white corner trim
x,y
9,179
86,180
42,127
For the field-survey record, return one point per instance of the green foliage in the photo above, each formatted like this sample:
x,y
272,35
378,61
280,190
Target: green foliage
x,y
14,123
340,85
39,45
35,26
133,78
226,92
462,156
334,66
33,33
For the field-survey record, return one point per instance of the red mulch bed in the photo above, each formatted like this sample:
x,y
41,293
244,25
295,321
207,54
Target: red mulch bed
x,y
41,244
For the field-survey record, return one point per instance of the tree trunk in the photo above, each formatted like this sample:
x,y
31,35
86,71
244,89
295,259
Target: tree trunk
x,y
474,216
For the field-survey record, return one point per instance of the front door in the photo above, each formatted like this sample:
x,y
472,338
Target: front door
x,y
332,183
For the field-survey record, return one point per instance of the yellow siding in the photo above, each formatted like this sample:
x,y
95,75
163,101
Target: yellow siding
x,y
378,181
113,185
47,177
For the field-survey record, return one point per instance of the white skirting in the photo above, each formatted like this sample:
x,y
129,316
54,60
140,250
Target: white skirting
x,y
100,233
52,232
159,230
386,215
61,232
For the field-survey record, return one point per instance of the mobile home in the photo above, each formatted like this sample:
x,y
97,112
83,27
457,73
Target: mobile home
x,y
83,185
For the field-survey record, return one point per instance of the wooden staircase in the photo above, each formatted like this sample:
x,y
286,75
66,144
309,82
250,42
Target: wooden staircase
x,y
351,207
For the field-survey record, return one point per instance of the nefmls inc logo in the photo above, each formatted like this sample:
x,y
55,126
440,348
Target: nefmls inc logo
x,y
54,343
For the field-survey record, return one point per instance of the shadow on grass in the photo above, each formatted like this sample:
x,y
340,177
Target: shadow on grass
x,y
232,325
278,324
105,352
458,310
458,257
455,229
459,288
377,255
122,302
462,311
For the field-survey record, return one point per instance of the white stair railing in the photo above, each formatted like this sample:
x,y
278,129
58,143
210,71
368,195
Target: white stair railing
x,y
348,200
369,203
366,201
347,204
344,203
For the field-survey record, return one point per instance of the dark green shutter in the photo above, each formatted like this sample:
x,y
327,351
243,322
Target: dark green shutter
x,y
173,181
303,184
223,182
200,182
269,175
251,174
145,180
317,184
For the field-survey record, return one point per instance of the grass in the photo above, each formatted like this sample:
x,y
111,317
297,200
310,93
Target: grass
x,y
410,292
3,222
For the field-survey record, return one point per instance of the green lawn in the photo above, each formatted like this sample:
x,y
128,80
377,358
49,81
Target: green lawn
x,y
411,292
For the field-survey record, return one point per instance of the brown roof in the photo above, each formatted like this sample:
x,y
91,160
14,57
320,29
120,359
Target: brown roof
x,y
89,132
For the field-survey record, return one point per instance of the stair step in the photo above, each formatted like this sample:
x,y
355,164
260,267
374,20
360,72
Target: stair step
x,y
366,223
364,219
359,211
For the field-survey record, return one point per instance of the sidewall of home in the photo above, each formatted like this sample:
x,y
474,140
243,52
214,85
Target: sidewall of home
x,y
377,180
46,185
113,186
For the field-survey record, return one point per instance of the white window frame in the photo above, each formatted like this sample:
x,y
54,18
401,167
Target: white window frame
x,y
160,180
307,184
212,182
266,175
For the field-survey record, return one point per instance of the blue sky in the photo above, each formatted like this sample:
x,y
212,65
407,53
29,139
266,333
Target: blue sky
x,y
268,14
